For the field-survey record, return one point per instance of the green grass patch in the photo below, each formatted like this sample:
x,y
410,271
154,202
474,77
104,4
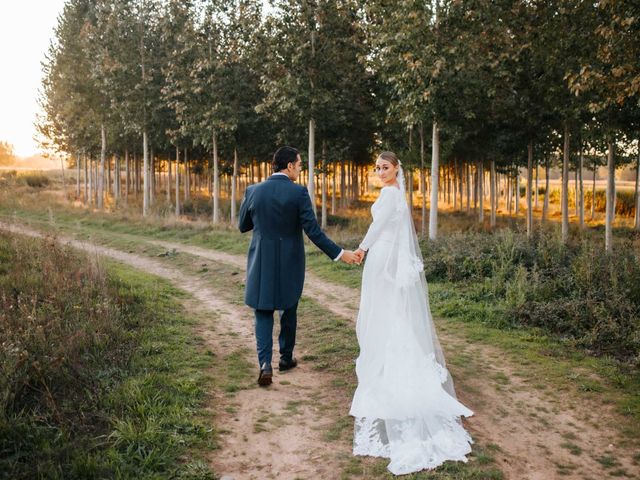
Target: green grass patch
x,y
101,374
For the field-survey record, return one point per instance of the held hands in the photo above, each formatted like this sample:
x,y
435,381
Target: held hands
x,y
352,258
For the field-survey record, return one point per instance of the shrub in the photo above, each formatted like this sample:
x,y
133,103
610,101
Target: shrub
x,y
35,180
575,291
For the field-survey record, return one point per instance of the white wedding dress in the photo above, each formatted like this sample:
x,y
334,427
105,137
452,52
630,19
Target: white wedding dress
x,y
405,406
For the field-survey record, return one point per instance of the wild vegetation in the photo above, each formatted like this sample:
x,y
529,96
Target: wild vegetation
x,y
92,382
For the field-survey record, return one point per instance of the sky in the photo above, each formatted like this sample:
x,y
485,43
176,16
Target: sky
x,y
27,27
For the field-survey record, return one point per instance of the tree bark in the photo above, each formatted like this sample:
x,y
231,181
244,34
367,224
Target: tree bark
x,y
581,188
565,185
324,185
536,186
312,164
91,182
516,188
611,192
545,204
177,181
481,191
169,179
423,186
529,187
492,193
216,181
77,174
435,161
333,189
234,179
103,154
85,178
145,174
127,175
117,178
593,191
187,176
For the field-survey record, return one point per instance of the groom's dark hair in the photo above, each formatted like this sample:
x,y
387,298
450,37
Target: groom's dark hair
x,y
284,156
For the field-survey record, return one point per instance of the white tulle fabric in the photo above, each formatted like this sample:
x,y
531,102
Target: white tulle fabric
x,y
405,406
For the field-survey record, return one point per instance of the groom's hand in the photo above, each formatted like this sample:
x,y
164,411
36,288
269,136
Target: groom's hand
x,y
359,255
349,257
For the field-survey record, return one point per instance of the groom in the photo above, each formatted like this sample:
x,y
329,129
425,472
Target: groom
x,y
278,210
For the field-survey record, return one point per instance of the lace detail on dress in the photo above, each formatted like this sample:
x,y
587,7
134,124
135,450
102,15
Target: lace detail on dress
x,y
412,444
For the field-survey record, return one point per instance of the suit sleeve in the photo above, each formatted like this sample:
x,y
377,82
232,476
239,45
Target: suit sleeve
x,y
387,205
245,222
312,229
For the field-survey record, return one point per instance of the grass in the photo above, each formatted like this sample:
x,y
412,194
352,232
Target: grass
x,y
134,409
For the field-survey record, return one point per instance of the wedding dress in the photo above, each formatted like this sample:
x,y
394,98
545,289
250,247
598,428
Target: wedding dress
x,y
405,407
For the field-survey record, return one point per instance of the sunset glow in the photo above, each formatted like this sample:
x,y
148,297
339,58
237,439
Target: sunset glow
x,y
27,28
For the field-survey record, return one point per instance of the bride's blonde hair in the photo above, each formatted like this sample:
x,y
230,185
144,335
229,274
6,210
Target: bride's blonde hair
x,y
390,157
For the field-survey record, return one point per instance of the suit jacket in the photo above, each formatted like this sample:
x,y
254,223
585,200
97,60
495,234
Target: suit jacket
x,y
278,210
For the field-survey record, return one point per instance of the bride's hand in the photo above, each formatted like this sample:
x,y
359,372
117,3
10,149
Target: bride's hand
x,y
359,253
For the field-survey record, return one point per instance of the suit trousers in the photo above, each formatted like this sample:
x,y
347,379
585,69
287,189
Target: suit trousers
x,y
264,333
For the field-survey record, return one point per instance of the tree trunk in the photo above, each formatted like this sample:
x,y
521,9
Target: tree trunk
x,y
234,179
216,181
343,185
536,186
77,174
492,193
333,189
177,181
187,176
108,191
324,185
118,174
467,168
85,178
611,193
545,204
423,186
145,174
91,182
435,161
103,153
152,176
312,164
516,187
581,188
529,187
169,179
565,185
127,175
481,191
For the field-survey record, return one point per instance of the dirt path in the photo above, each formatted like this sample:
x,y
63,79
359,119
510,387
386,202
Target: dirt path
x,y
541,433
266,433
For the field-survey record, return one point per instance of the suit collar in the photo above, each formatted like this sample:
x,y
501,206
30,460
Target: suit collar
x,y
279,177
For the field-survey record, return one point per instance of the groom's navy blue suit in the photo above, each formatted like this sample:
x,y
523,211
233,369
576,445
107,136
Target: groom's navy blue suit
x,y
278,210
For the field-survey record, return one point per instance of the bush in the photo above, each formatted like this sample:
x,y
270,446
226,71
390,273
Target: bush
x,y
574,291
67,333
35,180
624,202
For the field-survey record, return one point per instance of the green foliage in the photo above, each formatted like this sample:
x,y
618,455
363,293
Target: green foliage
x,y
576,292
96,380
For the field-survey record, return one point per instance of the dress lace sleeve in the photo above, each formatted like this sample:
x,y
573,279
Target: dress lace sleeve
x,y
385,209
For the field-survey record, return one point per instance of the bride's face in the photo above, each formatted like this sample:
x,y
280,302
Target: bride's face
x,y
386,171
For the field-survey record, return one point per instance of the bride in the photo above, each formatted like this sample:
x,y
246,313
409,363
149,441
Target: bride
x,y
405,407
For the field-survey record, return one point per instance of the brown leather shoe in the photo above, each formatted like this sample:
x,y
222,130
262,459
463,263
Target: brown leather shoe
x,y
266,375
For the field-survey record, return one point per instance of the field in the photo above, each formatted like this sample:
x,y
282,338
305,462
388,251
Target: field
x,y
140,352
